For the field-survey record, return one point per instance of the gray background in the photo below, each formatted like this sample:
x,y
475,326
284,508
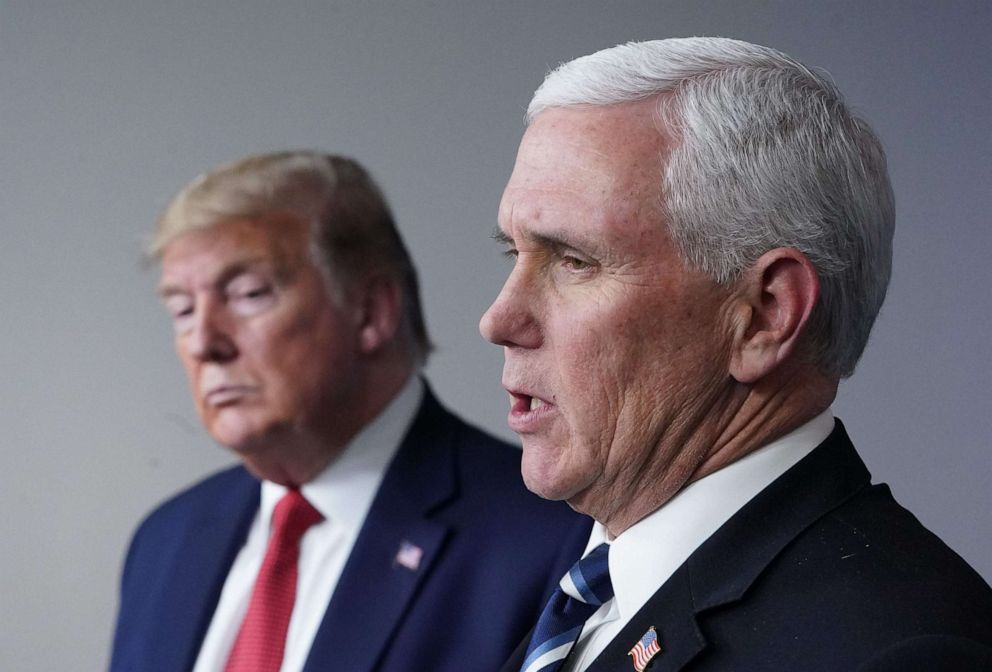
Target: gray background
x,y
107,108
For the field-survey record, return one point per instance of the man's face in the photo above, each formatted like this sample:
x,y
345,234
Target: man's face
x,y
269,354
614,352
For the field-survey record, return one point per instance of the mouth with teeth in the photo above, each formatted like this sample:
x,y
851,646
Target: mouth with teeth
x,y
526,411
524,403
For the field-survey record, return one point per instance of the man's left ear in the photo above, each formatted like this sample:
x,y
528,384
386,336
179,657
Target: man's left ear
x,y
380,313
777,295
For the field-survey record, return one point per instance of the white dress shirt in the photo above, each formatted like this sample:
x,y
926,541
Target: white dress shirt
x,y
646,554
343,493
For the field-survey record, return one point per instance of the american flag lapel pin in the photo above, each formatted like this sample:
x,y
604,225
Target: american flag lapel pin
x,y
409,556
646,649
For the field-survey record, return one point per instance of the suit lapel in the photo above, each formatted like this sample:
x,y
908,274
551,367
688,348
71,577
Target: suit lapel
x,y
377,585
210,544
679,635
671,612
725,566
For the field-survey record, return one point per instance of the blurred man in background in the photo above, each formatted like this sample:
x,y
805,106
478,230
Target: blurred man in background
x,y
367,527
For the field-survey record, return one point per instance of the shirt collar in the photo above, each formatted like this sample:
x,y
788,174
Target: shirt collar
x,y
645,555
344,490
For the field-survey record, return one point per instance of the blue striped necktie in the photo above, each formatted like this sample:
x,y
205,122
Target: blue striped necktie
x,y
580,593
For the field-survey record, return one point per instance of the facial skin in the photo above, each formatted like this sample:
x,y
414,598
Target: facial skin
x,y
274,364
616,356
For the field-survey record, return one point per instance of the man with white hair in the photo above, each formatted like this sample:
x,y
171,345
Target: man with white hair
x,y
367,526
702,238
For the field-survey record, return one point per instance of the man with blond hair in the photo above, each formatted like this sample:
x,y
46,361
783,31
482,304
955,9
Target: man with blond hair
x,y
367,526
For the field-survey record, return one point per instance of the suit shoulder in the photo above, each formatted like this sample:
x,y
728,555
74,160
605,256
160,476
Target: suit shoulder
x,y
875,528
218,491
872,555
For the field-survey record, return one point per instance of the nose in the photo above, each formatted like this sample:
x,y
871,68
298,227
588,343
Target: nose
x,y
510,320
209,337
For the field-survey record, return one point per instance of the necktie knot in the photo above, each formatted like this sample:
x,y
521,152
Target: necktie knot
x,y
293,515
589,579
580,593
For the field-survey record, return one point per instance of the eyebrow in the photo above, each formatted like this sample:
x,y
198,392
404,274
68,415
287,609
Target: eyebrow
x,y
555,240
500,237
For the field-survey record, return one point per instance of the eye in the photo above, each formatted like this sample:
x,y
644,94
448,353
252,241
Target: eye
x,y
574,263
254,293
180,307
509,251
249,294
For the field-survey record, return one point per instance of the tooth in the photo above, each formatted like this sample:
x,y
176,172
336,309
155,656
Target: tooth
x,y
536,403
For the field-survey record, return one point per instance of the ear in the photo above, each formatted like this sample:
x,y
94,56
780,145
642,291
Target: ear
x,y
379,318
777,296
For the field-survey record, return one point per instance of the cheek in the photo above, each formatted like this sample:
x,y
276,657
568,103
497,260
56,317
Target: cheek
x,y
306,358
623,372
593,356
192,370
593,385
289,372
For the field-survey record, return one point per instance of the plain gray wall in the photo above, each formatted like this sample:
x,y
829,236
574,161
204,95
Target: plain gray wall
x,y
107,108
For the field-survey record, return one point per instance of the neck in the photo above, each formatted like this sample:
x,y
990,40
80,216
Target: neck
x,y
293,456
741,421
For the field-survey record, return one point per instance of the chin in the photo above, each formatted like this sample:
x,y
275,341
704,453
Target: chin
x,y
545,477
239,445
241,430
239,437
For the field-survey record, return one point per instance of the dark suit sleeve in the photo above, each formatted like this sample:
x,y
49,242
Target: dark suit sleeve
x,y
932,652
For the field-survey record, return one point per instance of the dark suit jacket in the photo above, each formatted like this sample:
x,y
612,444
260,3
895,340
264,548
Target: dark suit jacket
x,y
820,571
492,552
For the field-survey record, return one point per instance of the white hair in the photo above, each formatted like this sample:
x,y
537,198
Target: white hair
x,y
766,155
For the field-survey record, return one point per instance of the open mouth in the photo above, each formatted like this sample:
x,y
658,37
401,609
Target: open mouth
x,y
525,403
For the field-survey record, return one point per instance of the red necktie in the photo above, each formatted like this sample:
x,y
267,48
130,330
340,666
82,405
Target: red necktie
x,y
262,638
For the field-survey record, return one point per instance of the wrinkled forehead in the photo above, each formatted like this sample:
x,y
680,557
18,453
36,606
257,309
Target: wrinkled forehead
x,y
588,159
